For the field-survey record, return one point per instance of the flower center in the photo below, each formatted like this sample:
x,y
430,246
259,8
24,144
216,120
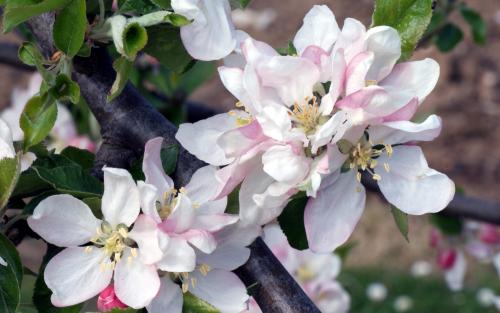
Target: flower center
x,y
306,115
305,274
166,206
363,156
187,281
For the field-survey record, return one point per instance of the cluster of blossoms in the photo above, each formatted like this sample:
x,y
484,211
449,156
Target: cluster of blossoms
x,y
315,120
480,241
153,243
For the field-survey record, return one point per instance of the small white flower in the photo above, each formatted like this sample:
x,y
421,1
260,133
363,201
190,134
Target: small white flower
x,y
403,304
376,292
485,297
421,269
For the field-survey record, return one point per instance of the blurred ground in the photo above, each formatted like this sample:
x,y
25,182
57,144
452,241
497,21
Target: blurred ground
x,y
467,98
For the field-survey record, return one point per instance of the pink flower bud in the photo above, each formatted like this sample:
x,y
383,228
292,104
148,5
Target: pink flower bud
x,y
489,234
435,238
446,259
108,300
82,142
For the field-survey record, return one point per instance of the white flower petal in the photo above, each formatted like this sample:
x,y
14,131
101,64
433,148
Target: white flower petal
x,y
411,185
201,239
200,138
211,35
136,284
182,216
319,29
6,144
74,275
169,298
385,43
352,39
27,160
331,217
455,276
275,122
222,289
152,166
178,256
201,188
120,201
64,220
405,131
149,196
285,165
145,234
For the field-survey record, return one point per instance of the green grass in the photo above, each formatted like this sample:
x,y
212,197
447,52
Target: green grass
x,y
429,294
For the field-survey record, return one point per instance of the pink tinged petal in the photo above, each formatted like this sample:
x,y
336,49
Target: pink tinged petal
x,y
152,166
181,218
211,35
405,113
214,222
222,289
417,78
293,78
200,138
169,298
121,201
285,165
74,275
410,178
316,55
405,131
232,79
201,187
337,77
238,141
320,29
455,276
331,217
257,51
145,234
136,283
236,58
149,197
201,239
64,220
385,43
178,255
357,70
6,144
351,39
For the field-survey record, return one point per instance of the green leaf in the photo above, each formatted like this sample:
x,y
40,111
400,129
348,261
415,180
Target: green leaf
x,y
70,27
239,4
94,205
37,120
447,224
71,180
476,23
401,220
449,37
17,12
409,17
42,294
29,54
169,157
10,168
65,89
177,20
193,304
165,44
123,68
196,76
135,38
164,4
344,250
11,276
288,50
140,7
292,222
84,158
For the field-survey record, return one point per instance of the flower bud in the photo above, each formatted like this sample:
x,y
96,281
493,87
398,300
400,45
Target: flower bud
x,y
446,259
489,235
108,300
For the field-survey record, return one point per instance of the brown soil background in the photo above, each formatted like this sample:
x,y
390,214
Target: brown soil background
x,y
467,98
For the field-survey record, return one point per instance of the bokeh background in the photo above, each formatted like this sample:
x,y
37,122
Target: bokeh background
x,y
467,97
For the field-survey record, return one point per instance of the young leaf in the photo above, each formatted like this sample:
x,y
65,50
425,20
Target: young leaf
x,y
449,37
401,219
123,67
71,180
165,44
177,20
476,23
9,175
447,224
70,27
292,222
409,17
139,7
193,304
29,54
82,157
65,89
11,276
164,4
135,38
169,158
37,119
17,12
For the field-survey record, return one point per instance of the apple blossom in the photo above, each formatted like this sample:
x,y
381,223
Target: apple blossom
x,y
211,35
108,300
79,273
454,273
192,231
7,147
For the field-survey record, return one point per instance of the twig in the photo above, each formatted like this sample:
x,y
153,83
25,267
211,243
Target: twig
x,y
8,56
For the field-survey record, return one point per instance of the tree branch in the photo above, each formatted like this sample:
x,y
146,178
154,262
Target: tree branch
x,y
126,124
8,56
